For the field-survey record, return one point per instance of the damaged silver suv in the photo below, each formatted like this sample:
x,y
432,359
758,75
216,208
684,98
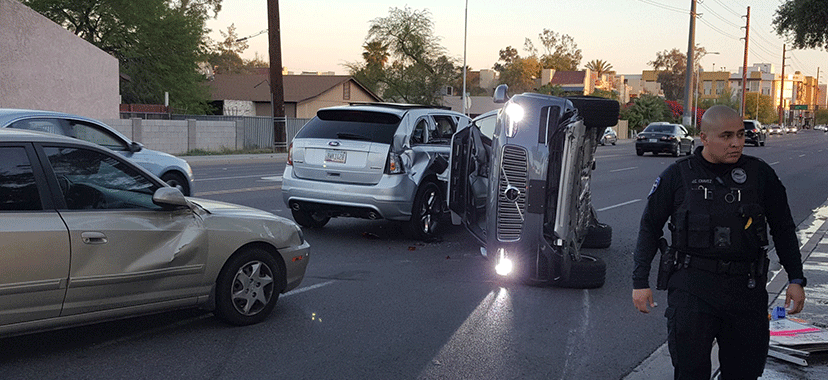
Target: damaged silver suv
x,y
373,161
523,188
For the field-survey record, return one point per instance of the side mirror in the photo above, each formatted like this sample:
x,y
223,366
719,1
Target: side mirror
x,y
169,197
135,147
501,94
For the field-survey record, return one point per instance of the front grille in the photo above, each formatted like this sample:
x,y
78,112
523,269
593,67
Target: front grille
x,y
514,169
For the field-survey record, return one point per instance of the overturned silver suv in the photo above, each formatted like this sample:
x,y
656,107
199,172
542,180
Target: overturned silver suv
x,y
523,189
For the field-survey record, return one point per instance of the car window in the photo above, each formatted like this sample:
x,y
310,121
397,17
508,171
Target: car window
x,y
41,125
96,135
445,127
351,125
662,128
93,180
420,132
18,190
487,125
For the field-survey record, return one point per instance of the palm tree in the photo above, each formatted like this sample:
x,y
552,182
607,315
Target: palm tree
x,y
599,66
375,54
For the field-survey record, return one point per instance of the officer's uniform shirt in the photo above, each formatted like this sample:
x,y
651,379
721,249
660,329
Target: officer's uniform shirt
x,y
668,195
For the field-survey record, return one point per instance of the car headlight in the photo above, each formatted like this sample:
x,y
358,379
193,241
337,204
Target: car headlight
x,y
515,113
504,264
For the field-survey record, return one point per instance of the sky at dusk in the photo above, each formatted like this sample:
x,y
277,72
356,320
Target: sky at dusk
x,y
324,35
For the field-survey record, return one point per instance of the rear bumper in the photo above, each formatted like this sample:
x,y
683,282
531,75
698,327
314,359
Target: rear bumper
x,y
391,198
656,147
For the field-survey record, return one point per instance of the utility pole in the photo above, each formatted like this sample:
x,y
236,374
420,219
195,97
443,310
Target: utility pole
x,y
691,55
277,91
782,91
465,37
744,66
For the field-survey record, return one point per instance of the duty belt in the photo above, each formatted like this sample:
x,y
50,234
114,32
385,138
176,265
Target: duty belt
x,y
732,268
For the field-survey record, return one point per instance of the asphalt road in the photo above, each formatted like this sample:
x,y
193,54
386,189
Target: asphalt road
x,y
376,304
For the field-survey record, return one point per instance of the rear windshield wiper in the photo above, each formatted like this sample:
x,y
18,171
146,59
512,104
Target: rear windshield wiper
x,y
352,136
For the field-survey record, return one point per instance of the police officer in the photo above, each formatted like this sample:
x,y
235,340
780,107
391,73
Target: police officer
x,y
719,203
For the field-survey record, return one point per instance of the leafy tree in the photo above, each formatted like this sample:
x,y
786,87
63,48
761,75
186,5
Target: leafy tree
x,y
419,67
520,74
599,66
614,95
821,117
225,56
559,52
672,70
803,22
725,98
158,43
766,112
644,110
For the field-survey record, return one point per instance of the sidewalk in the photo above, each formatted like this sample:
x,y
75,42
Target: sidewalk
x,y
813,235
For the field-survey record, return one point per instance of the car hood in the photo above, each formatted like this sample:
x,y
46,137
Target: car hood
x,y
230,209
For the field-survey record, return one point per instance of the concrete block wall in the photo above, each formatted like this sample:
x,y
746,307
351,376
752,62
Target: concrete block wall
x,y
179,136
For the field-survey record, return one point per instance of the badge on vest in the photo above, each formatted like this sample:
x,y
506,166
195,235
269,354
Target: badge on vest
x,y
739,176
655,186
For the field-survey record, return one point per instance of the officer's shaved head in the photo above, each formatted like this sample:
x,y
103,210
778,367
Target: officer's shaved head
x,y
717,116
723,135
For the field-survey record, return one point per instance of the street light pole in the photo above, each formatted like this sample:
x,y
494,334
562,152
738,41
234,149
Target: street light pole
x,y
465,37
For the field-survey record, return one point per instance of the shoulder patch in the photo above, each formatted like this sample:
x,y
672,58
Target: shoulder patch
x,y
655,186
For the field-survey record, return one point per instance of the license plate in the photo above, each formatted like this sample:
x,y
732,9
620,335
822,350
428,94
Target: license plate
x,y
337,156
653,140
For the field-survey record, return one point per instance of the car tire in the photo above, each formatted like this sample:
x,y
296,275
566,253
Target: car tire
x,y
248,287
310,219
587,273
639,152
596,112
676,150
598,236
613,143
692,148
762,143
426,212
177,180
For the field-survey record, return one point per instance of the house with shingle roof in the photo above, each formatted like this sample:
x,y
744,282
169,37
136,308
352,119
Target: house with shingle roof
x,y
570,81
249,94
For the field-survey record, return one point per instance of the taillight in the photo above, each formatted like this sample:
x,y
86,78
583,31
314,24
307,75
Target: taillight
x,y
394,164
290,154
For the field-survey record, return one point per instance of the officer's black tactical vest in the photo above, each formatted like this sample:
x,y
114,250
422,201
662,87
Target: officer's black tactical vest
x,y
720,216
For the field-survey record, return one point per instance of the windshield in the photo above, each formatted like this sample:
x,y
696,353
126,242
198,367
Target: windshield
x,y
351,125
662,128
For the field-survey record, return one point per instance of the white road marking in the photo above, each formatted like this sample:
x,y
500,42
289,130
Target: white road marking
x,y
308,288
276,178
801,155
774,163
621,170
619,205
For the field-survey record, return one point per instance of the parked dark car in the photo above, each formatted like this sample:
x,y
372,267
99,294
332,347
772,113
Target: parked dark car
x,y
609,137
663,137
755,133
524,191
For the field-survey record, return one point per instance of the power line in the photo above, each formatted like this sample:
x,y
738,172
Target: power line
x,y
711,11
717,29
665,6
728,8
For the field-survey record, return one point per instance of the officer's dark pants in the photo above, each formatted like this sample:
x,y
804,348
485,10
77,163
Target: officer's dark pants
x,y
739,326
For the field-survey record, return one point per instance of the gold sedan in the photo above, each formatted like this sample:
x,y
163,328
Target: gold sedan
x,y
87,236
